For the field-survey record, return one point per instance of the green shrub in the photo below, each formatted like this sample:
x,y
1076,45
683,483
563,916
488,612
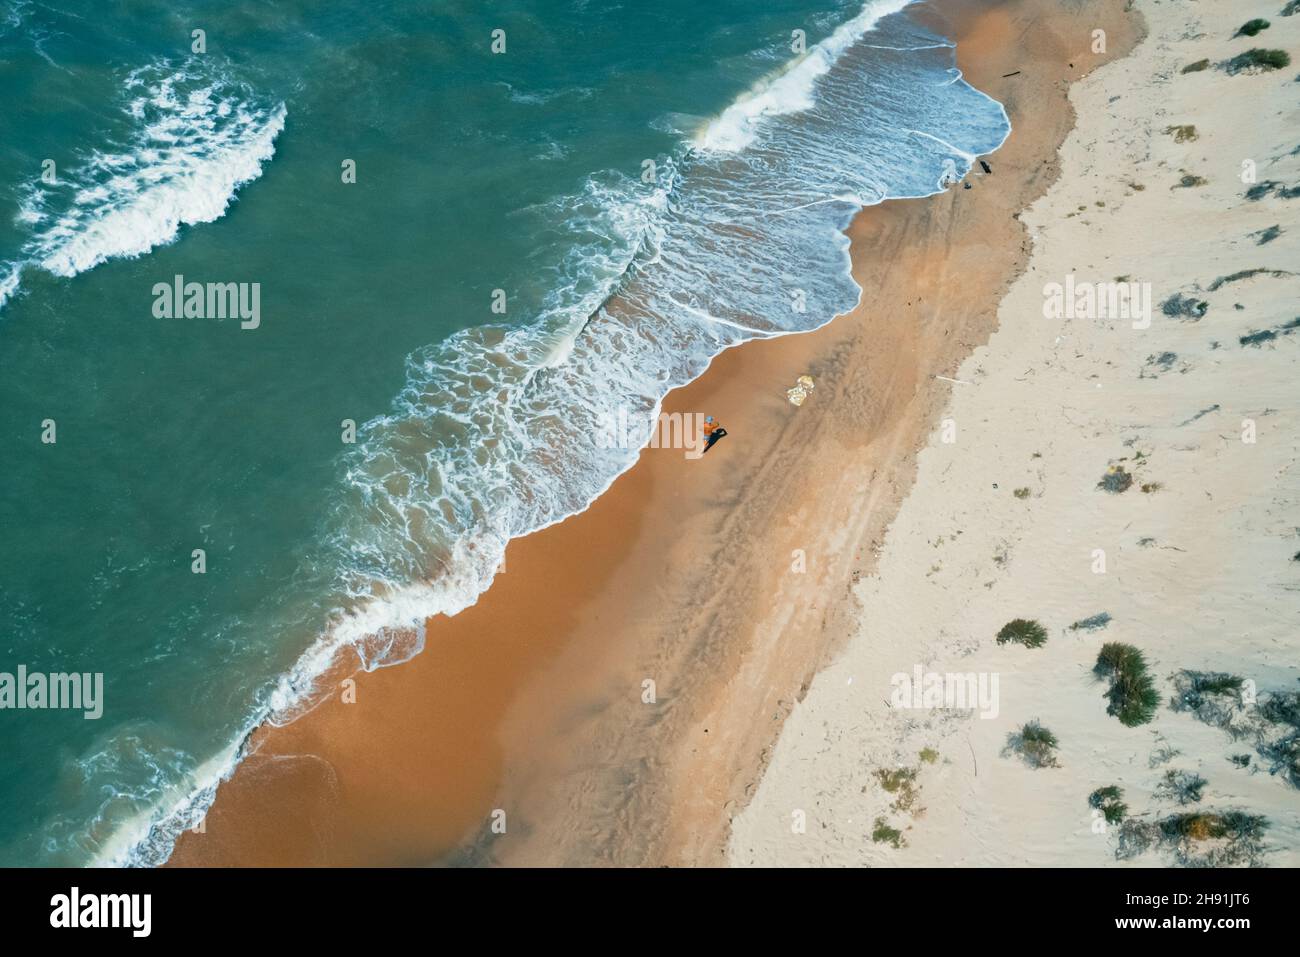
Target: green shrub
x,y
1215,682
1251,27
1257,338
1107,800
1196,689
1261,59
902,784
1196,67
1179,306
1117,479
1023,632
1210,826
1132,694
1035,744
1101,795
884,834
1267,235
1199,839
1213,697
891,781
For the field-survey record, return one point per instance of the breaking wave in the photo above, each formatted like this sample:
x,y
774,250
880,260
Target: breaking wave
x,y
191,143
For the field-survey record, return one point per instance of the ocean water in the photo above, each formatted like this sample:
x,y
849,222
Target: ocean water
x,y
633,187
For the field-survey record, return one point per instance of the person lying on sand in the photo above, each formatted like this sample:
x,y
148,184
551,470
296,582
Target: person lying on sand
x,y
712,432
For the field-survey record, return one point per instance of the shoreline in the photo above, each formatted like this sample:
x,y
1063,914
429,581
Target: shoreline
x,y
527,703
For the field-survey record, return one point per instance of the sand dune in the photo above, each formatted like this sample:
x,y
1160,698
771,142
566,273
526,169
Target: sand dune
x,y
1194,562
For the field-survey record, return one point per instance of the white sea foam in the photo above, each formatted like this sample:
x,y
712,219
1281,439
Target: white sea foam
x,y
10,278
145,837
193,142
791,90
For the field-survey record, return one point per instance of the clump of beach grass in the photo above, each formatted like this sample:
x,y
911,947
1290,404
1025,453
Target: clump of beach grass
x,y
1258,59
884,834
1092,622
1117,479
1160,363
1185,787
1252,27
929,755
1213,697
1035,744
1198,839
1023,631
891,781
1182,134
1282,712
1196,67
1257,338
1022,492
1271,720
1270,187
1267,235
1179,306
1132,694
1107,800
1190,181
901,783
1163,753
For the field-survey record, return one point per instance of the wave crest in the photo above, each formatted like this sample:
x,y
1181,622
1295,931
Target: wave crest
x,y
192,143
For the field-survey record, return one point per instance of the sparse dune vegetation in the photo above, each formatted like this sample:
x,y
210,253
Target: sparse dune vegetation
x,y
1214,697
1035,744
1185,787
1117,479
1023,631
1201,839
1109,801
1132,694
1258,60
1092,622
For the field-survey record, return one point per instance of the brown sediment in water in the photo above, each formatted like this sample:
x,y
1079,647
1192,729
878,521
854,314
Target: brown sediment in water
x,y
723,580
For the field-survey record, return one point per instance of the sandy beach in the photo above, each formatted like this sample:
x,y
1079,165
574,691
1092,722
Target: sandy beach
x,y
1113,481
697,669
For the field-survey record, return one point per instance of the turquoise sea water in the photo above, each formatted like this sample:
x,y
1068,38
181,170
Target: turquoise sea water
x,y
523,172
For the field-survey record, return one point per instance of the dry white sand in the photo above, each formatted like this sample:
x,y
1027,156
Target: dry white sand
x,y
1198,573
